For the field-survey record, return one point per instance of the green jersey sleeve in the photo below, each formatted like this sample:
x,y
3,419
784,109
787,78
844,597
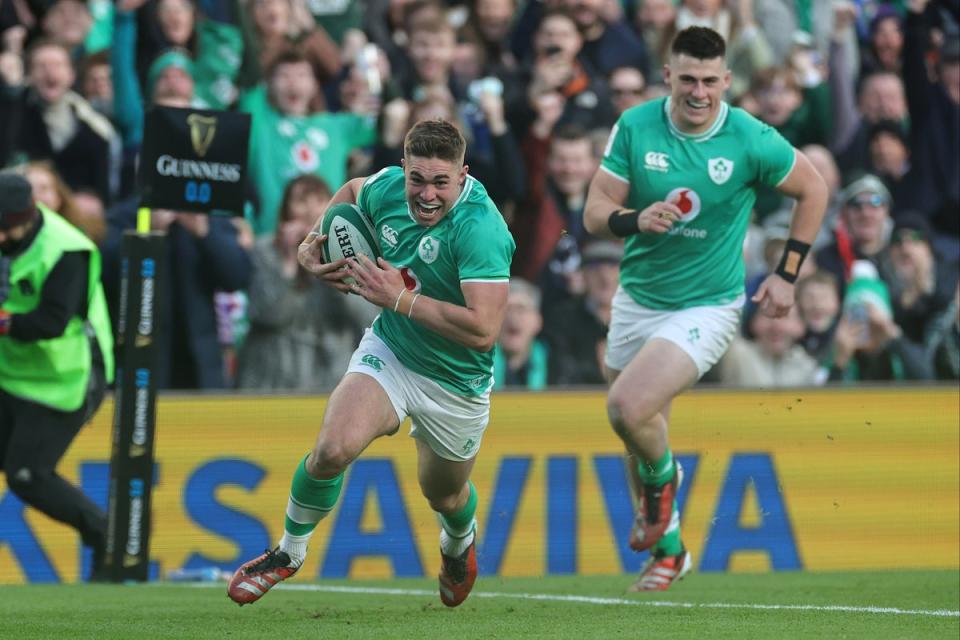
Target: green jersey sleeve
x,y
774,157
616,156
376,189
484,247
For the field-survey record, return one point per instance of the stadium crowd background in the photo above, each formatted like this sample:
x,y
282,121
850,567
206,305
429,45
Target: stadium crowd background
x,y
869,90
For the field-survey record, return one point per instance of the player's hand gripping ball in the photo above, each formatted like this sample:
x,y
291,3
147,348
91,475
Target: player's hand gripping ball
x,y
350,233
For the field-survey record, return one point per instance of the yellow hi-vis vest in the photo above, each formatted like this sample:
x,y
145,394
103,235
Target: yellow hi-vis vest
x,y
54,372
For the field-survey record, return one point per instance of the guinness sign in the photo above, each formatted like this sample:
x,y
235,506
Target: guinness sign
x,y
194,160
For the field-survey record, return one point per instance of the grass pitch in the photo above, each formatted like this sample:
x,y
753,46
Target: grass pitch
x,y
876,605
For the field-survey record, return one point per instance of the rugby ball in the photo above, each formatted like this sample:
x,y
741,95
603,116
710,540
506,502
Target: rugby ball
x,y
350,233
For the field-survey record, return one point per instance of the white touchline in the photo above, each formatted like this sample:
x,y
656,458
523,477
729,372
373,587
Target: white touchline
x,y
937,613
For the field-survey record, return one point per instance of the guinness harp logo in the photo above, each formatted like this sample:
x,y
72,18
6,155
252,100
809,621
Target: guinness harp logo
x,y
202,130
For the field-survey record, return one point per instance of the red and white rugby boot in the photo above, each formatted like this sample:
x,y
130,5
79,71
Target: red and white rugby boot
x,y
255,578
457,576
661,571
654,510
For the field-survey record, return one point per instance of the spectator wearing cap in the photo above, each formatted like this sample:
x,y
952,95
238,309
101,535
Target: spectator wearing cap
x,y
205,255
920,280
170,78
864,227
933,94
868,345
55,355
576,328
169,81
209,36
45,120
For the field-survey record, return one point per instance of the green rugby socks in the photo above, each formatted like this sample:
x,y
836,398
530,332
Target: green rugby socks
x,y
670,544
458,529
659,471
310,501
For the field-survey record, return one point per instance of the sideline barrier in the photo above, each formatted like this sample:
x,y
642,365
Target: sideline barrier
x,y
813,480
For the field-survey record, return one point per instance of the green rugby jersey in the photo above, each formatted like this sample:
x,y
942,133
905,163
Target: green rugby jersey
x,y
712,177
470,244
284,147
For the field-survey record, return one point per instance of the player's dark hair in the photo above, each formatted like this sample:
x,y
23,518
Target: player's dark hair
x,y
435,139
701,43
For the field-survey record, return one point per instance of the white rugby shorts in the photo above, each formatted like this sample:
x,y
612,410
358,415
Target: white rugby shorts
x,y
704,333
452,425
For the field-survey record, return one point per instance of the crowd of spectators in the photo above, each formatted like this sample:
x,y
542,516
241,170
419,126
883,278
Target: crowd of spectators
x,y
870,90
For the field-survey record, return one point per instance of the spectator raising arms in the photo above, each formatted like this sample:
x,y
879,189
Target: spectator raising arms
x,y
272,26
292,134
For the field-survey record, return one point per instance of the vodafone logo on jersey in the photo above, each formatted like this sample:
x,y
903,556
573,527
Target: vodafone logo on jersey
x,y
410,279
688,201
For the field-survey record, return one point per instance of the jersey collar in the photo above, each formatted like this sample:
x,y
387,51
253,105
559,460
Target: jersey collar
x,y
696,137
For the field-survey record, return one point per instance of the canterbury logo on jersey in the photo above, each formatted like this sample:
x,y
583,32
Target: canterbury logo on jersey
x,y
656,161
389,235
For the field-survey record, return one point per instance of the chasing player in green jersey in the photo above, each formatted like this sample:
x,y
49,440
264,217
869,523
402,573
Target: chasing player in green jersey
x,y
442,282
678,181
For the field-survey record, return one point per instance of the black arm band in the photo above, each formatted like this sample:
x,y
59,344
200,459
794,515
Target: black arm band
x,y
623,224
793,256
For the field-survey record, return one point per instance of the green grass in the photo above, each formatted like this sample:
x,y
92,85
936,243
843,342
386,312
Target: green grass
x,y
182,611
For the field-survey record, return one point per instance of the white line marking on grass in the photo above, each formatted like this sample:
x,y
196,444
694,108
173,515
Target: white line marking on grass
x,y
937,613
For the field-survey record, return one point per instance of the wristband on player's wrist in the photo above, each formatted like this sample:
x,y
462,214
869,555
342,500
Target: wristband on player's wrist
x,y
792,259
623,222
